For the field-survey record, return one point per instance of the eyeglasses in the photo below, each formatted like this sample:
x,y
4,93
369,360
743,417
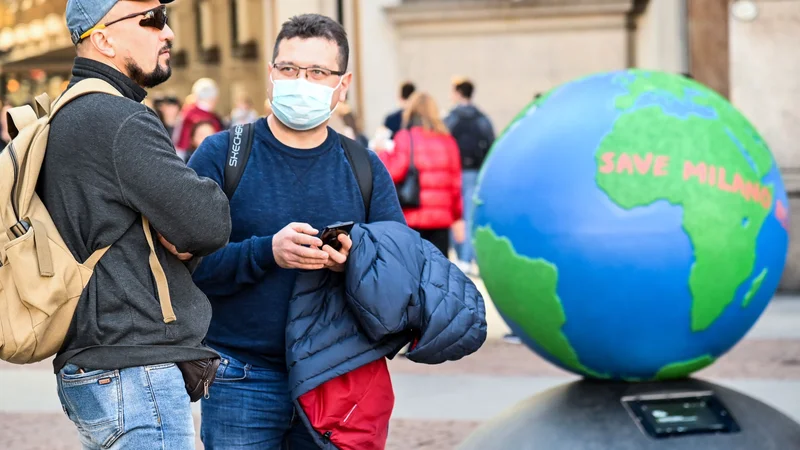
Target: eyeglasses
x,y
153,18
314,73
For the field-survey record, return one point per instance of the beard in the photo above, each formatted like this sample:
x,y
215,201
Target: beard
x,y
149,79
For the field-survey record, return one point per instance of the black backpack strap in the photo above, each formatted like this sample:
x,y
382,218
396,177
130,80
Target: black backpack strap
x,y
239,144
358,156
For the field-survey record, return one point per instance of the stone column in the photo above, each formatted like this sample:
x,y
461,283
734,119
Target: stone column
x,y
207,25
709,57
244,28
661,37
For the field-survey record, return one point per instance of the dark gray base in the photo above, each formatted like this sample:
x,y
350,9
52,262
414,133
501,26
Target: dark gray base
x,y
588,415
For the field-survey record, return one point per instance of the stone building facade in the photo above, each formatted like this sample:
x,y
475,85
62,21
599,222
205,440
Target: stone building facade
x,y
225,40
35,49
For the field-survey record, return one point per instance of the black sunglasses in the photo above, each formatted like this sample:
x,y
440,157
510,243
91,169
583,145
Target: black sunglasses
x,y
153,18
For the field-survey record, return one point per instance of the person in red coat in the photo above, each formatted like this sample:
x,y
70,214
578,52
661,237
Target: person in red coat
x,y
206,93
438,161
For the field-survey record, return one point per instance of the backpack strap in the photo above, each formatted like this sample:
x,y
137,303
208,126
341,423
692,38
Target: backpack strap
x,y
358,157
94,258
43,255
159,275
81,88
240,141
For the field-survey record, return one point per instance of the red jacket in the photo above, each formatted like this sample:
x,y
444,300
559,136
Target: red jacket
x,y
437,158
193,116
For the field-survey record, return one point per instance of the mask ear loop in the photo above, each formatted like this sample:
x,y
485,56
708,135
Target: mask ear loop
x,y
334,90
273,90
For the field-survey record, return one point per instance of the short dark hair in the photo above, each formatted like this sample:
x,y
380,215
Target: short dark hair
x,y
307,26
167,100
465,88
406,89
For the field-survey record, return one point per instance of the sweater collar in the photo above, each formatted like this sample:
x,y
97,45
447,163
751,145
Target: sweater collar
x,y
84,68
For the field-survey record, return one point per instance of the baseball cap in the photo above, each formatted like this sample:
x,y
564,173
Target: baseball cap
x,y
82,15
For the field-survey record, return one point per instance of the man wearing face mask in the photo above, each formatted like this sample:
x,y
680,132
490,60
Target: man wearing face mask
x,y
297,180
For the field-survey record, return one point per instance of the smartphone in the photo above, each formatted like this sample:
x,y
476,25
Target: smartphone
x,y
330,234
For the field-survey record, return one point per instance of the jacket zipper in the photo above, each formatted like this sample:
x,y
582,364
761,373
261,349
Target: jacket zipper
x,y
347,417
15,163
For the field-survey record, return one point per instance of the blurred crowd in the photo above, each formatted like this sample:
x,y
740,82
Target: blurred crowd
x,y
444,148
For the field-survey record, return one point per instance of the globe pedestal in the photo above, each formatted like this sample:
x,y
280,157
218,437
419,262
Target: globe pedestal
x,y
599,415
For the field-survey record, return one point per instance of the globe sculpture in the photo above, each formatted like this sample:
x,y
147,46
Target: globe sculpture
x,y
631,226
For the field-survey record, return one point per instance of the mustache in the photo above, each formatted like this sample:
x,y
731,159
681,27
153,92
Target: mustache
x,y
167,47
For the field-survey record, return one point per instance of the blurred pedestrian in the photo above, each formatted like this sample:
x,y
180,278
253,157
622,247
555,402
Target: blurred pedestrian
x,y
425,145
394,120
200,132
347,125
168,109
205,96
474,134
243,112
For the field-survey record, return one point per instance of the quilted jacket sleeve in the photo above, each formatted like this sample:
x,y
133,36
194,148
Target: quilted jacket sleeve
x,y
399,283
383,277
452,316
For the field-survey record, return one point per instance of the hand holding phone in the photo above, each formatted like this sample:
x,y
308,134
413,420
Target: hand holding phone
x,y
297,246
336,246
330,234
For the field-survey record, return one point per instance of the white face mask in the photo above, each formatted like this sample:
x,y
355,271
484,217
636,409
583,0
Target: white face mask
x,y
300,104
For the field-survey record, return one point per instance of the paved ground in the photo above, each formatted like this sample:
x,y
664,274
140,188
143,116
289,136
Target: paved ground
x,y
54,432
439,406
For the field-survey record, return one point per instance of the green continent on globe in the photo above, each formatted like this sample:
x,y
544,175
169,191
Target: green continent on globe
x,y
754,286
711,167
524,289
683,368
729,119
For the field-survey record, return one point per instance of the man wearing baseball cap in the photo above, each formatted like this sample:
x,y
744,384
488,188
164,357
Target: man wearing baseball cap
x,y
109,163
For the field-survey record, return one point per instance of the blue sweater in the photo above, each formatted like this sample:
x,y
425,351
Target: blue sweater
x,y
249,293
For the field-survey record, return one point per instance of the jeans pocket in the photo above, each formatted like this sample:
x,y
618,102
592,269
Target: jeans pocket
x,y
231,370
93,400
160,366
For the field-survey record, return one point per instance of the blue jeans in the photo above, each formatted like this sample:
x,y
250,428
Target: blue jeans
x,y
250,408
140,407
469,179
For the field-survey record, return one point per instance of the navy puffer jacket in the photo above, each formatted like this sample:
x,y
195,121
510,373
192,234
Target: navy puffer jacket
x,y
397,288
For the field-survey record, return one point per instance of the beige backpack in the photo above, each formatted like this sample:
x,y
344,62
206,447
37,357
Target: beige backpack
x,y
40,280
